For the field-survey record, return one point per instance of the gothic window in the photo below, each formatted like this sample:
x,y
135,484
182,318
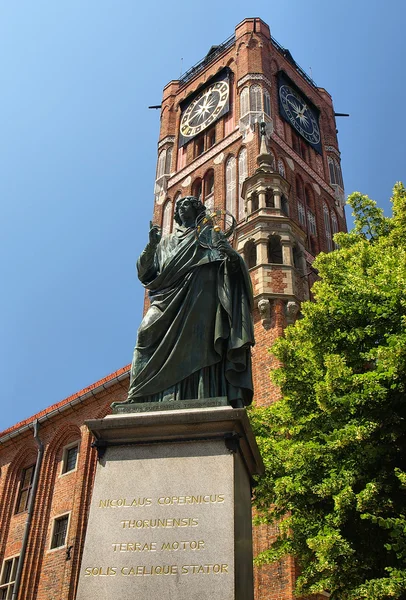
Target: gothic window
x,y
255,201
197,188
295,142
250,254
181,158
199,145
281,168
231,187
70,457
244,101
311,222
25,488
242,176
168,160
331,170
275,250
229,123
339,176
334,168
299,189
308,197
211,137
255,98
267,103
167,217
161,164
209,183
269,198
301,212
164,162
284,205
327,228
334,226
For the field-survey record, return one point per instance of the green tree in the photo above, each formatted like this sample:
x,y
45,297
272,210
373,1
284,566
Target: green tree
x,y
334,446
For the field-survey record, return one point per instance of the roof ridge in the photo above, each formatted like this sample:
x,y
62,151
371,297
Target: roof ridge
x,y
65,401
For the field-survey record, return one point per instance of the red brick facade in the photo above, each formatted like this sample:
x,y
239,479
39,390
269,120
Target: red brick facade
x,y
274,232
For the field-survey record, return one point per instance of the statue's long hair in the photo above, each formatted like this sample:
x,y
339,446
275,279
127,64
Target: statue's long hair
x,y
196,203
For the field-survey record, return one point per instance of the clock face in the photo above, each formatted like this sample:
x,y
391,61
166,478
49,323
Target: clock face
x,y
299,114
204,109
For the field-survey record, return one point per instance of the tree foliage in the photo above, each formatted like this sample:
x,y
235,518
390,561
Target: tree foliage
x,y
334,446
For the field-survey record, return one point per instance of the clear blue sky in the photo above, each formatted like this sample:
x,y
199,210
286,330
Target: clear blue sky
x,y
78,157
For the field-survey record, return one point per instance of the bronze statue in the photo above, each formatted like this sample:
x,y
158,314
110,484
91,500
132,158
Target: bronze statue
x,y
195,339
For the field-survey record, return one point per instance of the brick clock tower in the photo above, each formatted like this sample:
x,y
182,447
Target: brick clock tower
x,y
247,130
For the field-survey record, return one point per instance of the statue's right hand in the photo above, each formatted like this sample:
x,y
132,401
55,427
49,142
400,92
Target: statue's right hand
x,y
155,235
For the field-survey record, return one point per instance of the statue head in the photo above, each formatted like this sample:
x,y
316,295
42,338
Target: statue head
x,y
190,206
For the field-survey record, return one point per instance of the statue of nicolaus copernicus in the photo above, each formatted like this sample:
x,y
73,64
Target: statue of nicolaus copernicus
x,y
195,339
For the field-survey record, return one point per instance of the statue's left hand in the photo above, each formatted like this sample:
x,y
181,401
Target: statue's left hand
x,y
225,248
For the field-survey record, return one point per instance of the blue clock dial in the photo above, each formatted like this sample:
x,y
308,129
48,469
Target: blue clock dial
x,y
300,115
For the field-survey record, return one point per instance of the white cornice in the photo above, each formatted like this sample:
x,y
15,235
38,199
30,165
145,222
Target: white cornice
x,y
253,77
169,139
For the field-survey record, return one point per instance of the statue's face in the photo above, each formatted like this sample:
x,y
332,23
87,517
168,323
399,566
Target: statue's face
x,y
187,212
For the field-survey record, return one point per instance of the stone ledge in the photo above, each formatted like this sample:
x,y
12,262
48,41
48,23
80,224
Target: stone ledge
x,y
181,426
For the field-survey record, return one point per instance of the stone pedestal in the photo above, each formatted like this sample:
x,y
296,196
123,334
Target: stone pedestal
x,y
170,516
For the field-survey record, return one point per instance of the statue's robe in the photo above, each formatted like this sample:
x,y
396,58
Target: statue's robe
x,y
195,339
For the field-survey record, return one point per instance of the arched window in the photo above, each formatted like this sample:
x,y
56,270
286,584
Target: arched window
x,y
275,250
197,188
295,142
334,226
244,101
164,162
284,205
161,164
255,98
311,221
242,176
301,213
208,183
308,197
167,217
250,254
231,186
255,201
168,160
199,145
327,228
331,170
269,198
182,155
211,137
267,103
281,168
339,177
299,189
